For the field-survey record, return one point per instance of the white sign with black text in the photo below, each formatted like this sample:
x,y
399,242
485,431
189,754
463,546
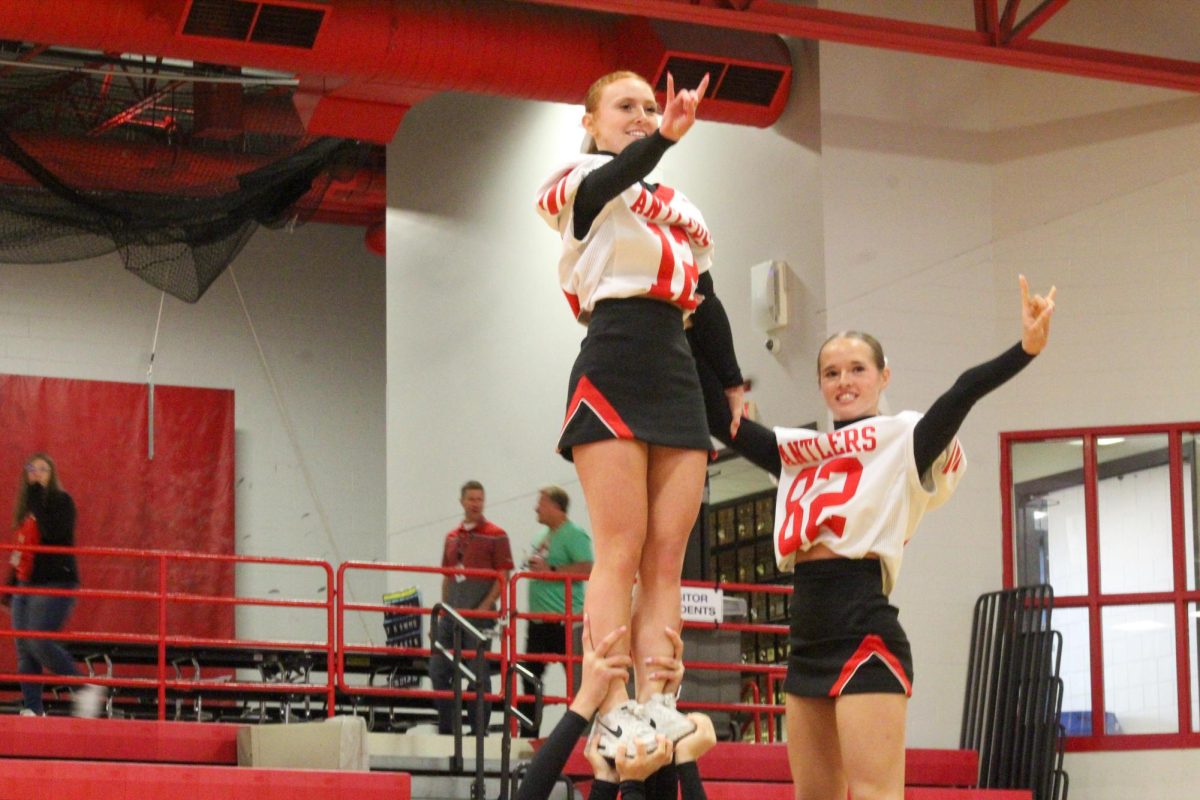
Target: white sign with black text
x,y
702,605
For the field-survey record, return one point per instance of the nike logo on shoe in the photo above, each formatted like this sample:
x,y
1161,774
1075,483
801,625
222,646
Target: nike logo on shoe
x,y
612,731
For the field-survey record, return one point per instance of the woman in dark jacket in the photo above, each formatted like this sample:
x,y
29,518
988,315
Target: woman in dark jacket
x,y
42,498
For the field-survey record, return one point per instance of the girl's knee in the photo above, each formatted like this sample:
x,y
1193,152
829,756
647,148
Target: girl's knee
x,y
618,564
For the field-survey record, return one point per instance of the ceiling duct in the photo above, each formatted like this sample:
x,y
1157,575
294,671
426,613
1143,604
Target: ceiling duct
x,y
749,74
361,63
282,24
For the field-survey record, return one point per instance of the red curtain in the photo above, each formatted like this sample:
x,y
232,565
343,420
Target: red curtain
x,y
181,499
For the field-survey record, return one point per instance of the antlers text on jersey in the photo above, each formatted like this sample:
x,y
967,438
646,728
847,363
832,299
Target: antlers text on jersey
x,y
828,445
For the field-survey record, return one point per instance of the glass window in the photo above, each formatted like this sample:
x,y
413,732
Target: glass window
x,y
1132,557
1139,668
1133,500
1193,625
1189,511
1048,515
1075,669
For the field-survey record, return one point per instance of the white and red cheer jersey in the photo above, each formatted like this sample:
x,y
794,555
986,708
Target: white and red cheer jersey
x,y
856,490
641,243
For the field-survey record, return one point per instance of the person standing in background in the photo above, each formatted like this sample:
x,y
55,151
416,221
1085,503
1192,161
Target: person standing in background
x,y
47,514
474,544
562,547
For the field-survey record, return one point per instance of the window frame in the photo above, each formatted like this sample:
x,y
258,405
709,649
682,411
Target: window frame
x,y
1095,600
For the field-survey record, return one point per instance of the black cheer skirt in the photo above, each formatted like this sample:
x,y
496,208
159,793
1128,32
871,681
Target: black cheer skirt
x,y
845,637
635,378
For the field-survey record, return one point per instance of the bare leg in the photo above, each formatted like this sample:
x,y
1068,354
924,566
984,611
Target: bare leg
x,y
814,755
613,475
675,488
871,732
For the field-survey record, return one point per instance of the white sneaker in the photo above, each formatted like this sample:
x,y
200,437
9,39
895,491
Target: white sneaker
x,y
666,720
29,712
89,700
625,725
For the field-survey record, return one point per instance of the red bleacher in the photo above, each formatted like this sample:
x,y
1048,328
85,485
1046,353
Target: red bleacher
x,y
734,771
137,760
130,759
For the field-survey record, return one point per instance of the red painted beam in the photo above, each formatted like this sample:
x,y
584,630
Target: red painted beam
x,y
770,16
1007,20
1036,19
987,17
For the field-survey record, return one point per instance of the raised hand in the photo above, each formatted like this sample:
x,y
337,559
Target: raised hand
x,y
1036,312
679,113
599,669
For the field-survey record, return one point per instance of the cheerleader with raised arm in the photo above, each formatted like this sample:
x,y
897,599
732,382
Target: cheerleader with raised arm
x,y
634,267
848,501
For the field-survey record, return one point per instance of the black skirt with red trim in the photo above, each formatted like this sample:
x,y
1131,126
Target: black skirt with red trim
x,y
635,378
845,637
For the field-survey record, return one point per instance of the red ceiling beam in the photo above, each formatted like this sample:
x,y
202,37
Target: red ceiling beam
x,y
986,16
770,16
1036,19
132,112
1006,20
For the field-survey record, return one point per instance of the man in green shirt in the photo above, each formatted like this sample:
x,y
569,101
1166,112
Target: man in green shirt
x,y
562,547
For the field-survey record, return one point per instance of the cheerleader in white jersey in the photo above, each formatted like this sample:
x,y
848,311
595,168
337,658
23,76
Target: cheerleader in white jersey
x,y
634,266
848,502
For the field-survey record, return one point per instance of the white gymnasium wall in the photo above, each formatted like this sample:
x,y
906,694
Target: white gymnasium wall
x,y
944,180
315,297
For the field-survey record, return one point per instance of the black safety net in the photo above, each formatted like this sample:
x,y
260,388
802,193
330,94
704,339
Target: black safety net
x,y
175,175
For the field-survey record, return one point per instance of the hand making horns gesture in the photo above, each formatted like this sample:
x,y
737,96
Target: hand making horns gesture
x,y
1036,312
679,113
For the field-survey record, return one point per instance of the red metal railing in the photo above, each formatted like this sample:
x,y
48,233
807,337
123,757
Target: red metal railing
x,y
570,660
333,649
162,638
343,648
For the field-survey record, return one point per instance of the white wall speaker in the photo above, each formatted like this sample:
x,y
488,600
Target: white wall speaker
x,y
768,295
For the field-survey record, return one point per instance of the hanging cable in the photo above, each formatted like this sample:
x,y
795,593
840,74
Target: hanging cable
x,y
295,442
150,381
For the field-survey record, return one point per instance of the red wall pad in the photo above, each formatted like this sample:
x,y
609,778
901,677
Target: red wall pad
x,y
82,780
183,499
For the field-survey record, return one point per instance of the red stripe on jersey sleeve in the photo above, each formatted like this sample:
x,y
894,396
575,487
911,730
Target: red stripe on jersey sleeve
x,y
573,301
